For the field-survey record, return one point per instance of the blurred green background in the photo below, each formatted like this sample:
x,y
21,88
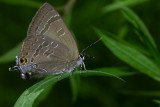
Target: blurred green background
x,y
139,90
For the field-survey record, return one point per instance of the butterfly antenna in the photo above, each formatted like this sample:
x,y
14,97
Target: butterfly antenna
x,y
92,44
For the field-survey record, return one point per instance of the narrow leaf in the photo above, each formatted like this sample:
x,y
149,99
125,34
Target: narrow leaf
x,y
131,56
142,31
138,24
28,96
117,71
74,81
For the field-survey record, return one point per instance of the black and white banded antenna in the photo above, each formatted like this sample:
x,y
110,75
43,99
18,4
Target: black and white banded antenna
x,y
90,45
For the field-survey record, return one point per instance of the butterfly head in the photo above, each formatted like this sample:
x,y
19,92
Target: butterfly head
x,y
23,67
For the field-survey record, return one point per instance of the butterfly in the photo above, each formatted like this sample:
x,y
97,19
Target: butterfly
x,y
49,47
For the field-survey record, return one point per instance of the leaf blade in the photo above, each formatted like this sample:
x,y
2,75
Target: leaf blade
x,y
28,96
138,24
127,54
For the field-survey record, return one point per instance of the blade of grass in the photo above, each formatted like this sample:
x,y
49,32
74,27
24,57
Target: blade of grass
x,y
43,96
9,56
139,48
74,81
117,71
114,71
138,24
28,96
142,31
120,4
131,56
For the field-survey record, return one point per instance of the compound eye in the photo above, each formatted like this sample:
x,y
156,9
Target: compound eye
x,y
23,60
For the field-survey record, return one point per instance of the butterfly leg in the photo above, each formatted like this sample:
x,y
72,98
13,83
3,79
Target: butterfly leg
x,y
84,66
81,68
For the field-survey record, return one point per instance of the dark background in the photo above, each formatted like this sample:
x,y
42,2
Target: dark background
x,y
95,91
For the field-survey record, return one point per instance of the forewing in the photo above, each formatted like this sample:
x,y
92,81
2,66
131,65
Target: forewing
x,y
48,22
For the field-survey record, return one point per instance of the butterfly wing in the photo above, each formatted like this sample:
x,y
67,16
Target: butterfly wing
x,y
48,22
45,54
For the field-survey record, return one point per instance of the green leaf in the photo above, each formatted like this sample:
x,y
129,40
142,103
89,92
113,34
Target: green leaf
x,y
138,24
74,81
131,56
117,71
43,95
120,4
142,31
9,56
28,96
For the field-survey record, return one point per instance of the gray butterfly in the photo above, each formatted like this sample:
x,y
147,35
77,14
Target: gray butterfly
x,y
49,47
